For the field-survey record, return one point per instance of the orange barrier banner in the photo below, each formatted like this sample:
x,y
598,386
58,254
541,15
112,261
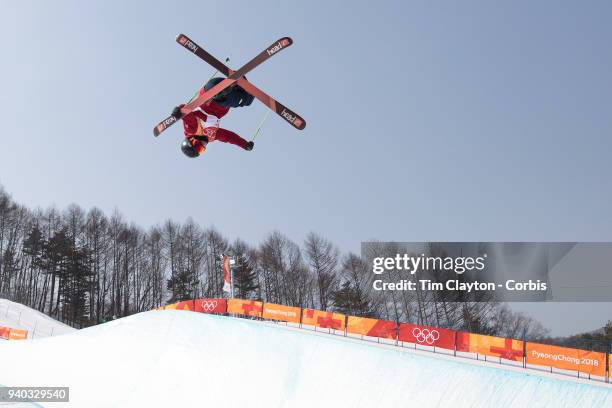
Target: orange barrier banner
x,y
199,305
5,333
565,358
244,307
326,320
372,327
283,313
211,306
427,336
508,349
184,305
16,334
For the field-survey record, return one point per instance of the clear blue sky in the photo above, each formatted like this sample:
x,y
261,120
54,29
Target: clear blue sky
x,y
426,121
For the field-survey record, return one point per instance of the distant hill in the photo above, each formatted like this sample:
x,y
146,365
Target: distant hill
x,y
598,339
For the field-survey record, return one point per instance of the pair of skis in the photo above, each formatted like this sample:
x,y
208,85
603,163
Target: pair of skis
x,y
234,77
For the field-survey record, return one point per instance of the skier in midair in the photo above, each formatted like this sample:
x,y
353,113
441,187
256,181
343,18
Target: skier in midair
x,y
201,126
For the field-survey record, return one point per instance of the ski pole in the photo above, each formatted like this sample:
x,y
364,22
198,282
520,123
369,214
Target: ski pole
x,y
211,77
261,125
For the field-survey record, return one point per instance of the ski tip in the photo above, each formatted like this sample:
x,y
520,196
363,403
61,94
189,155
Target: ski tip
x,y
290,116
158,129
278,45
286,41
186,42
294,120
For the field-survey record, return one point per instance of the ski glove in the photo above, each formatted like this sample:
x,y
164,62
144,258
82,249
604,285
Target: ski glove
x,y
176,112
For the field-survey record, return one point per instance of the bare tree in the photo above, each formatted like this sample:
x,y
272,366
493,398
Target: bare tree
x,y
85,268
322,258
285,277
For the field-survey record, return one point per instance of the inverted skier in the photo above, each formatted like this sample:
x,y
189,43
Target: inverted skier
x,y
201,126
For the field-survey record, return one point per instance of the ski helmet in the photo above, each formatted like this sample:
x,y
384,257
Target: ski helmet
x,y
188,149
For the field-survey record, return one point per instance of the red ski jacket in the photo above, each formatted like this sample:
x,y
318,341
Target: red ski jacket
x,y
190,122
211,107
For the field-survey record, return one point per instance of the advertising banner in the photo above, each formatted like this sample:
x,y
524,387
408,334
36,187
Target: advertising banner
x,y
327,320
244,307
508,349
16,334
218,306
565,358
372,327
199,305
281,312
427,336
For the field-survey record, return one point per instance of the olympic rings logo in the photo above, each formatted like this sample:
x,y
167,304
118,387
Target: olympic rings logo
x,y
209,305
425,335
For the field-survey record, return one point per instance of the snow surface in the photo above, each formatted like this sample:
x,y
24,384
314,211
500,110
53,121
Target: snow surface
x,y
38,325
184,359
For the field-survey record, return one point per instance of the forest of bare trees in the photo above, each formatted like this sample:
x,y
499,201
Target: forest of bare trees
x,y
87,267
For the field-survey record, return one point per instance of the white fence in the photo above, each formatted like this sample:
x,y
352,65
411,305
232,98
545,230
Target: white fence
x,y
35,328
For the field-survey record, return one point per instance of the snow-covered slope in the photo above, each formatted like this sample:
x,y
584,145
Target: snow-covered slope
x,y
18,316
184,359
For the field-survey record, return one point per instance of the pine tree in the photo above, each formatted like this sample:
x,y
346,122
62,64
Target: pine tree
x,y
56,255
246,282
245,279
348,300
79,277
33,246
182,285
